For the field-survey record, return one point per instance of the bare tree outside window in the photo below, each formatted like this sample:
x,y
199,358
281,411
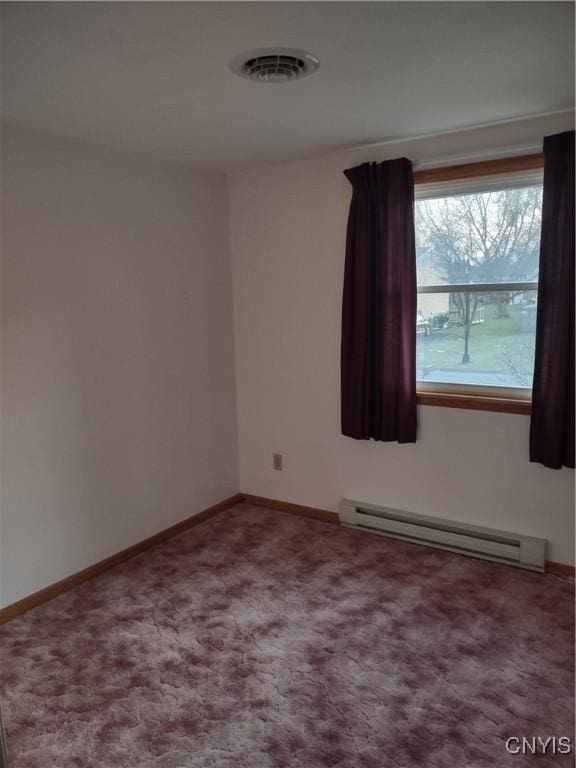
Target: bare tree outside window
x,y
487,238
482,238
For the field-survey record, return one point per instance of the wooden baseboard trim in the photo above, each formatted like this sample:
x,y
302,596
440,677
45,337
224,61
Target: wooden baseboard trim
x,y
48,593
60,587
559,569
294,509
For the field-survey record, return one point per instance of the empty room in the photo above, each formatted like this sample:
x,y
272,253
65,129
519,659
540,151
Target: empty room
x,y
287,384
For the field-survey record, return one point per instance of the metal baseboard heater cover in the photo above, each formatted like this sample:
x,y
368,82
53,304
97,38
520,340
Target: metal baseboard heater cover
x,y
472,540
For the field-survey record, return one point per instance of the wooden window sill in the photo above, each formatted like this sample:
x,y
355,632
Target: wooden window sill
x,y
475,402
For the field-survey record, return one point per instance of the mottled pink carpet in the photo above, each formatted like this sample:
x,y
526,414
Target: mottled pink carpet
x,y
263,640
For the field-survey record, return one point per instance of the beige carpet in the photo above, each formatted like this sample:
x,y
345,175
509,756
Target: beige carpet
x,y
264,640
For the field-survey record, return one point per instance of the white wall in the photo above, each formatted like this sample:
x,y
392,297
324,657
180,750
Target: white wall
x,y
118,404
288,232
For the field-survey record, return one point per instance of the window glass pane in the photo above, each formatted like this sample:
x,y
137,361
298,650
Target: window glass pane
x,y
486,237
485,339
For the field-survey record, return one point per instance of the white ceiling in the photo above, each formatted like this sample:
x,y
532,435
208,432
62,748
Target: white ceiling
x,y
154,76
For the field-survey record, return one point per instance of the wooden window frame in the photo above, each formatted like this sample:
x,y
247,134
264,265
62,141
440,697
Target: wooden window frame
x,y
441,395
500,167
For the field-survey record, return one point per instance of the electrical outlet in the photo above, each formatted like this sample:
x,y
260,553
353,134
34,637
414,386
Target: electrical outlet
x,y
277,460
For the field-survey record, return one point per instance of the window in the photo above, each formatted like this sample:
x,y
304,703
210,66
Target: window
x,y
477,246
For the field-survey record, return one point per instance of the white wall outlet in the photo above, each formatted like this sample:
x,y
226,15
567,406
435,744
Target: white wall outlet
x,y
277,461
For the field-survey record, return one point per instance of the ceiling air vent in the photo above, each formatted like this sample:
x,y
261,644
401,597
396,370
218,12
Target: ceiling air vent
x,y
274,65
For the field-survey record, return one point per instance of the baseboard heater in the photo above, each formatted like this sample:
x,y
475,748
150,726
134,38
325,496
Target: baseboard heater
x,y
486,543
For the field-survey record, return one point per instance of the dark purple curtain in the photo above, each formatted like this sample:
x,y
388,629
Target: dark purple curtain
x,y
552,425
378,363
